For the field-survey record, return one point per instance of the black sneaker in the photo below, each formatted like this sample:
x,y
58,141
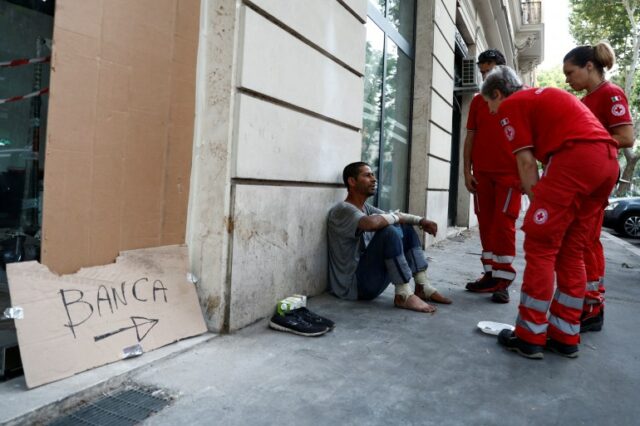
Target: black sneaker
x,y
593,323
314,318
294,323
570,351
508,339
500,296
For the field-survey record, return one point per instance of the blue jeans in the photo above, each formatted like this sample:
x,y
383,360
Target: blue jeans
x,y
394,255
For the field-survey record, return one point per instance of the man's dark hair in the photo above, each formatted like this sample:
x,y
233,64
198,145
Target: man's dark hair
x,y
492,55
352,170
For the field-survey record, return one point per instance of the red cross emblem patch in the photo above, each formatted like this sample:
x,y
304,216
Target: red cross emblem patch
x,y
618,110
540,216
510,132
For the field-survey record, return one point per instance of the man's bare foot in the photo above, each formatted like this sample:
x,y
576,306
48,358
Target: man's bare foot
x,y
413,303
435,297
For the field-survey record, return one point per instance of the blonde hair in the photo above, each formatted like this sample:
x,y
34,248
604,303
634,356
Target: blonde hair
x,y
604,55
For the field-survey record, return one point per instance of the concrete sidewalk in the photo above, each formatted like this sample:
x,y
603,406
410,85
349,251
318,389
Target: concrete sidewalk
x,y
383,365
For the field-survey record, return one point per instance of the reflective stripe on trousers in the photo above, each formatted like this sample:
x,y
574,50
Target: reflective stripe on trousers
x,y
533,303
486,260
504,274
568,301
531,326
564,326
507,201
593,285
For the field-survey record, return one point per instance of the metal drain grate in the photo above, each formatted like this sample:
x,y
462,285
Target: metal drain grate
x,y
126,407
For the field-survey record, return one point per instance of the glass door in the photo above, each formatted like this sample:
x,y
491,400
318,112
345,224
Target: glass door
x,y
388,96
26,29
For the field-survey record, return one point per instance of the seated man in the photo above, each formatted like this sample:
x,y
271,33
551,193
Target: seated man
x,y
369,248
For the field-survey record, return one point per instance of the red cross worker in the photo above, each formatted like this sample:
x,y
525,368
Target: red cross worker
x,y
552,126
584,67
491,175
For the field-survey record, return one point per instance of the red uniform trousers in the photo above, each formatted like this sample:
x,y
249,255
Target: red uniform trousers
x,y
594,263
497,205
561,220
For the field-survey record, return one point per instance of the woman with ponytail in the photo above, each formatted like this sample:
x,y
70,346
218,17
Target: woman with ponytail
x,y
584,68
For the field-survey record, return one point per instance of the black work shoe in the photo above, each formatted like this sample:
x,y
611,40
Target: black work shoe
x,y
500,296
486,277
488,286
570,351
314,318
294,323
593,323
508,339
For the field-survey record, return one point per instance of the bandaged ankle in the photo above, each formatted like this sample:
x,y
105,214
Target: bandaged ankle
x,y
421,277
403,290
421,280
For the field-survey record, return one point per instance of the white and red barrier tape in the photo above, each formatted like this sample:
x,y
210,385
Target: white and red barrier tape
x,y
27,96
18,62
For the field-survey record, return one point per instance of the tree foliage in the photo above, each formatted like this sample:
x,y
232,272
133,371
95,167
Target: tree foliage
x,y
553,77
594,20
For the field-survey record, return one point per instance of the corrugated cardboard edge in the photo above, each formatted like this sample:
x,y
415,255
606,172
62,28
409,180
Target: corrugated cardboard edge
x,y
130,262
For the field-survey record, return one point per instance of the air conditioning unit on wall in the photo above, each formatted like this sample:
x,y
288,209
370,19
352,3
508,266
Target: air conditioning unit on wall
x,y
469,80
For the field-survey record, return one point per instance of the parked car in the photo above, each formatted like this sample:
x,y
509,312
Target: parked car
x,y
623,215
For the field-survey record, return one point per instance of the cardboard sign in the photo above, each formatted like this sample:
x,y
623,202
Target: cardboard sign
x,y
101,314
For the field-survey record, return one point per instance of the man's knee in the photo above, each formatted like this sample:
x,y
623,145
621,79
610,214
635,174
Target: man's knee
x,y
390,233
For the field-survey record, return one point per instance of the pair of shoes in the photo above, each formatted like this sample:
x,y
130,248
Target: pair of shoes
x,y
508,339
299,323
438,298
500,296
594,323
314,318
569,351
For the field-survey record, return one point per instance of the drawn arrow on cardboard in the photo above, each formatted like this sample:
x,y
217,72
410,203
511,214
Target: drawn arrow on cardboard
x,y
142,325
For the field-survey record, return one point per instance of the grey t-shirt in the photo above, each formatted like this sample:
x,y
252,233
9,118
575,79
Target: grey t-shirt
x,y
346,242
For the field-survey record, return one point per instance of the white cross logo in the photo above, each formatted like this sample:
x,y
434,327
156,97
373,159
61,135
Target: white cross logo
x,y
618,110
540,216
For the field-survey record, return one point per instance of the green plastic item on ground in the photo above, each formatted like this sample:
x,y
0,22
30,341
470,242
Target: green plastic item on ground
x,y
290,303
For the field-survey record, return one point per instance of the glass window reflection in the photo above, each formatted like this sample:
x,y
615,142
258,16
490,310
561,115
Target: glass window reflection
x,y
388,87
372,96
396,130
378,4
401,15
